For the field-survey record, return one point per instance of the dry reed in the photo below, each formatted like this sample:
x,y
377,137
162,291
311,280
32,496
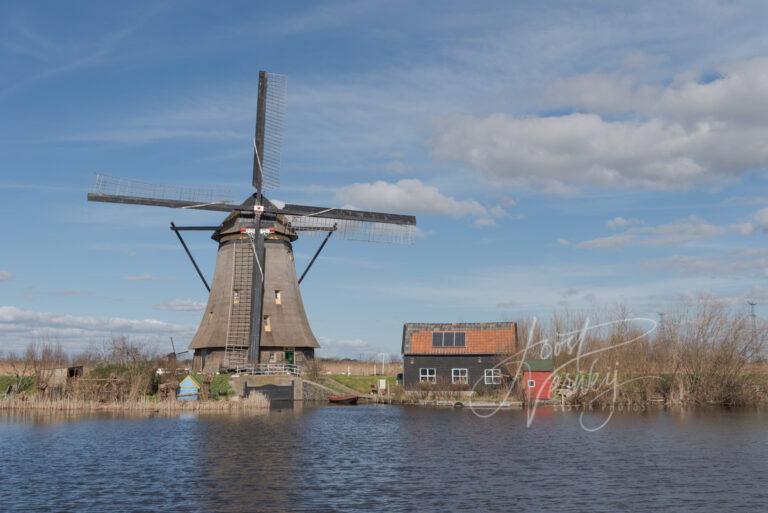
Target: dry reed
x,y
254,401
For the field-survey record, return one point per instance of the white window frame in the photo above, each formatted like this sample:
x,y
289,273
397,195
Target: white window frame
x,y
492,376
531,383
425,376
461,377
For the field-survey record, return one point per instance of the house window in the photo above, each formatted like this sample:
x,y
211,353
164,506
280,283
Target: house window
x,y
531,383
267,324
427,375
278,298
448,339
493,376
459,376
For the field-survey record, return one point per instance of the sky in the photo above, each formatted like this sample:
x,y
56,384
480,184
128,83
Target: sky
x,y
558,156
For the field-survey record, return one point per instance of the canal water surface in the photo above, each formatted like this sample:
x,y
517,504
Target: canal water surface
x,y
387,458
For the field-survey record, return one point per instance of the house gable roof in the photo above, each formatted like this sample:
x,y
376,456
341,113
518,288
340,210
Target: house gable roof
x,y
188,382
482,338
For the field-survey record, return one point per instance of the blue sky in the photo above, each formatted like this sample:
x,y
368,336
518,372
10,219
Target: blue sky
x,y
567,156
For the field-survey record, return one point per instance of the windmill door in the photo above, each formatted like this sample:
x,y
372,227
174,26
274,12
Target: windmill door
x,y
289,356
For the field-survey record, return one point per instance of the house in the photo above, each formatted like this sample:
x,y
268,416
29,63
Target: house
x,y
455,356
537,379
189,389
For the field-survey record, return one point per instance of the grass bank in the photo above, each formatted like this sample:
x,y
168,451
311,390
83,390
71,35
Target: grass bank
x,y
362,384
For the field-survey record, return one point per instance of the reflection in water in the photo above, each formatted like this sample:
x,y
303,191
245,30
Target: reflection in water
x,y
383,458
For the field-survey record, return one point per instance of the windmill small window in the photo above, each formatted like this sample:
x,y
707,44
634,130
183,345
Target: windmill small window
x,y
267,324
236,297
278,298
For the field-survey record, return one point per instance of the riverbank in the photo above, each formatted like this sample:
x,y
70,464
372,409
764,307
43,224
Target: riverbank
x,y
254,402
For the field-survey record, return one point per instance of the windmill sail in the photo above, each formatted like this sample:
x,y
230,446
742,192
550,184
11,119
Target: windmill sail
x,y
109,189
364,231
268,141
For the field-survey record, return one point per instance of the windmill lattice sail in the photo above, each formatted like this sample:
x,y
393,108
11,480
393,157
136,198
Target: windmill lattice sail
x,y
106,185
273,130
355,230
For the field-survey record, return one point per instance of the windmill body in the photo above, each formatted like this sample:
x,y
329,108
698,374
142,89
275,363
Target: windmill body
x,y
223,338
255,313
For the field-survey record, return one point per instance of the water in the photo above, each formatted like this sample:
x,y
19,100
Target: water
x,y
386,458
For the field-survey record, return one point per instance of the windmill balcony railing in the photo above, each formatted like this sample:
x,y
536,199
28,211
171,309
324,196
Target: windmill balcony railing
x,y
269,369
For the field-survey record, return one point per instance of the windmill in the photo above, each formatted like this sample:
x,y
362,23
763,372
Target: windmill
x,y
255,313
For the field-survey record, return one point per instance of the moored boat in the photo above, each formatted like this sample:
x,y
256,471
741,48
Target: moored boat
x,y
343,399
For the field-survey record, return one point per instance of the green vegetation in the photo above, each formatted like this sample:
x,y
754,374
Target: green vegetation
x,y
219,385
332,384
9,379
362,384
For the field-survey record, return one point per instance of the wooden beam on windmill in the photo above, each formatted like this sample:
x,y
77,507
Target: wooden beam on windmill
x,y
267,149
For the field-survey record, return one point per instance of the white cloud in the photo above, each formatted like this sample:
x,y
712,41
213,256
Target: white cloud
x,y
413,196
758,221
53,58
140,277
5,276
689,229
612,241
485,292
682,231
738,94
747,263
744,228
181,305
350,348
761,219
674,137
619,222
18,327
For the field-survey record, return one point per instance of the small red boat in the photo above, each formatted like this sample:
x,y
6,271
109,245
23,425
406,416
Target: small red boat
x,y
342,399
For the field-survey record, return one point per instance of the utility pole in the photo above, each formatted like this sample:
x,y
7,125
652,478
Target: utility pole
x,y
383,356
752,314
661,325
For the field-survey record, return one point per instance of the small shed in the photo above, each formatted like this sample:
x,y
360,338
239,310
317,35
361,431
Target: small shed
x,y
537,379
189,389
